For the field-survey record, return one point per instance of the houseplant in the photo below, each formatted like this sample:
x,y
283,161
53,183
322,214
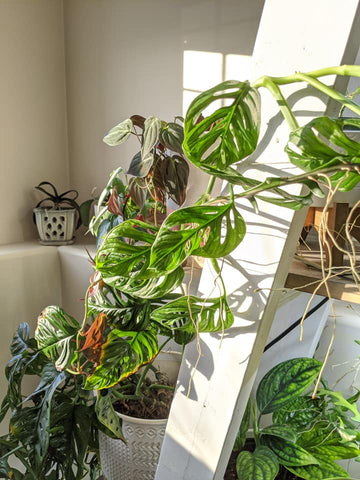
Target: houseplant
x,y
309,432
134,294
57,216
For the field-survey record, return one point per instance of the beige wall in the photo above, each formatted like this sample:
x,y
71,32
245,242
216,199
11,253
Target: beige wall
x,y
33,137
125,57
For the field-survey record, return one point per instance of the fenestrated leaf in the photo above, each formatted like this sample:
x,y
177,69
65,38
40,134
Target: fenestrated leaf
x,y
151,288
19,343
283,431
123,354
175,173
339,401
107,416
260,465
54,334
230,133
172,137
151,135
285,382
288,453
325,470
322,143
118,257
197,231
119,133
140,166
192,314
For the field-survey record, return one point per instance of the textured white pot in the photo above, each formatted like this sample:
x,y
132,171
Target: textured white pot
x,y
55,227
138,458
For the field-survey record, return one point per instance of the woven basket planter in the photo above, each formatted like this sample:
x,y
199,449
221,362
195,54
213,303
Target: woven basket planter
x,y
138,458
55,227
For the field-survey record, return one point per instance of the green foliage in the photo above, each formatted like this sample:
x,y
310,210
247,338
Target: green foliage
x,y
308,434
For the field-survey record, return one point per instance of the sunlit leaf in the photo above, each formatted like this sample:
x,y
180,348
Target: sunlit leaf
x,y
119,133
230,133
197,231
288,453
151,136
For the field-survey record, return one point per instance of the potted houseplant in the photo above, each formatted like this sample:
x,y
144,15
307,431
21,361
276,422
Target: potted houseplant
x,y
57,216
135,293
310,431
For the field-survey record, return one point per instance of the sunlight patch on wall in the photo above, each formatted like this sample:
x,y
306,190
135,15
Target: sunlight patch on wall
x,y
203,70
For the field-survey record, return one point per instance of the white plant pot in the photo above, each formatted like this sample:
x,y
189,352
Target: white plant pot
x,y
138,458
55,227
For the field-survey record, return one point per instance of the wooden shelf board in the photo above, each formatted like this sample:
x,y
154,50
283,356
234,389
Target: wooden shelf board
x,y
306,278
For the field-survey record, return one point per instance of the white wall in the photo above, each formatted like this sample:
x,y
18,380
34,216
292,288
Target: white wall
x,y
127,57
33,137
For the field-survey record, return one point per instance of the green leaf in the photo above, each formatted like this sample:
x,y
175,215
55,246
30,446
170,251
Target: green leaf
x,y
120,255
192,314
119,134
140,166
151,136
285,382
260,465
321,144
338,400
283,431
244,427
325,470
172,137
300,412
151,288
107,416
288,453
54,334
230,133
200,233
123,354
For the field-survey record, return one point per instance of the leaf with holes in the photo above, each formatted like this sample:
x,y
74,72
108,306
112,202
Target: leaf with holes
x,y
262,464
230,133
119,134
285,382
123,354
55,333
125,250
323,144
107,416
206,231
192,314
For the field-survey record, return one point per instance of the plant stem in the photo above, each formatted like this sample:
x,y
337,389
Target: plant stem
x,y
210,185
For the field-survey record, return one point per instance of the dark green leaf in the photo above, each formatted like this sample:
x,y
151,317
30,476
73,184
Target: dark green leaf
x,y
191,314
300,412
172,137
175,174
123,354
285,382
85,208
107,416
140,166
260,465
230,133
119,133
325,470
54,334
207,231
288,453
283,431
